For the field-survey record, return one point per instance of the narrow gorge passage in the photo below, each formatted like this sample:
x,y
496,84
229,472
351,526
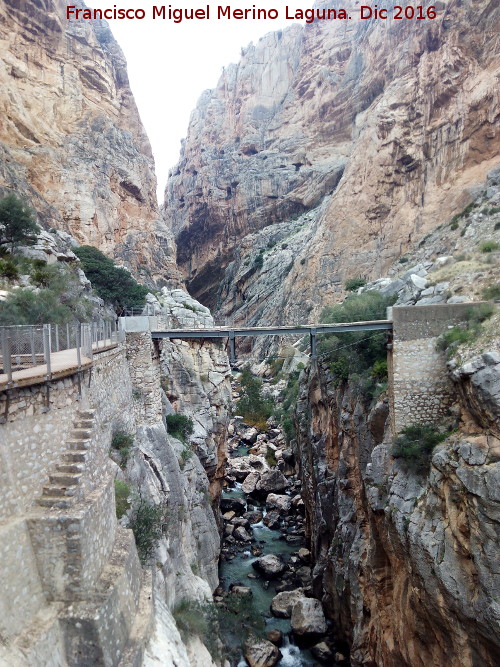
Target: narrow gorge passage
x,y
265,564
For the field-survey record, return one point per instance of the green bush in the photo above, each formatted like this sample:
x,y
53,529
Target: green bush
x,y
17,224
403,260
415,445
353,284
122,442
355,353
489,246
122,494
179,426
379,370
497,226
254,408
146,524
259,261
491,292
8,269
24,306
271,457
112,283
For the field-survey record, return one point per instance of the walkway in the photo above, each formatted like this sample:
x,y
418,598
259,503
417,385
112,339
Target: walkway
x,y
62,364
312,329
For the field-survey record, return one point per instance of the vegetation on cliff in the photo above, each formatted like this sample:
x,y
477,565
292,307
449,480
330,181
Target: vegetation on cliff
x,y
360,354
17,223
112,283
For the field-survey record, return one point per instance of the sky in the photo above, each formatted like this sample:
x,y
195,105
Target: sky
x,y
171,64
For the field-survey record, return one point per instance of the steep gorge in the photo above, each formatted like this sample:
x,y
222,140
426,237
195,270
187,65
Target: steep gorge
x,y
341,142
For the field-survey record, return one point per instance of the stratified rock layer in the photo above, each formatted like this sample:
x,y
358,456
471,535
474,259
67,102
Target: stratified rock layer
x,y
71,140
374,131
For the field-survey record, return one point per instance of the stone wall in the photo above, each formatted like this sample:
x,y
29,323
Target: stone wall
x,y
420,389
32,439
142,357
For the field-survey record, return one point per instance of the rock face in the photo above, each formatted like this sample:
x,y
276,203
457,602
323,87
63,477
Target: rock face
x,y
270,566
195,378
322,156
71,140
404,563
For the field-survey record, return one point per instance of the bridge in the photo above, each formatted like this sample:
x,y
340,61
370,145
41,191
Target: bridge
x,y
231,333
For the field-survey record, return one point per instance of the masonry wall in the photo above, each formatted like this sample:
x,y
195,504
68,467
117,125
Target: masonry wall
x,y
419,386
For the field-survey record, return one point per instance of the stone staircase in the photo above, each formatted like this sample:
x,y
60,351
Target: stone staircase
x,y
64,484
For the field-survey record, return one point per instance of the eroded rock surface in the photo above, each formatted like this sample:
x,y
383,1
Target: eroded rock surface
x,y
71,140
321,155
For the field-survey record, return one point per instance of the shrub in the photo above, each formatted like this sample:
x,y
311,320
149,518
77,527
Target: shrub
x,y
259,261
354,352
186,454
112,283
480,313
379,370
403,260
271,457
497,226
179,426
122,443
352,284
146,524
17,224
24,306
415,445
491,292
489,246
8,269
454,224
122,494
254,408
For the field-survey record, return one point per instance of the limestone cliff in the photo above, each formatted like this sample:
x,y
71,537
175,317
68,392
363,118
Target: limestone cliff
x,y
71,140
372,131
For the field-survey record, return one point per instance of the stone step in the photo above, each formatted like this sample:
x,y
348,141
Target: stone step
x,y
80,434
59,491
86,424
78,444
55,501
75,456
86,414
65,479
75,467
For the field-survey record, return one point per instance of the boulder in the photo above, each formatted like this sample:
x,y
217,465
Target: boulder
x,y
271,481
250,483
238,589
236,505
304,555
261,653
241,534
323,652
275,636
308,620
283,603
279,502
253,517
270,566
249,436
272,520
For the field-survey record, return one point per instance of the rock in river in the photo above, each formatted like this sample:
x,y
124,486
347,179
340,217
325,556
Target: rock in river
x,y
261,653
270,566
308,619
236,505
283,603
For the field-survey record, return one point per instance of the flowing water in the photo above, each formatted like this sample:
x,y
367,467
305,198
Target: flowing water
x,y
237,571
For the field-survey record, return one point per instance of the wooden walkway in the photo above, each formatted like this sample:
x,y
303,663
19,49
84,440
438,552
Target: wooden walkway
x,y
62,364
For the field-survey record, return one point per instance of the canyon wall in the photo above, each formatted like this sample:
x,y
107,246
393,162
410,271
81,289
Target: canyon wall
x,y
327,150
404,561
71,140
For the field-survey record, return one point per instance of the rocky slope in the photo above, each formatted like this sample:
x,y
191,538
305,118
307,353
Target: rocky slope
x,y
323,123
71,140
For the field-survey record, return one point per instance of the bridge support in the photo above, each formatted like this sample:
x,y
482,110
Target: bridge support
x,y
312,339
232,348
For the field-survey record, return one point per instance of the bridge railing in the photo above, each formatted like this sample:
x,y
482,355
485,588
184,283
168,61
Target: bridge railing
x,y
26,346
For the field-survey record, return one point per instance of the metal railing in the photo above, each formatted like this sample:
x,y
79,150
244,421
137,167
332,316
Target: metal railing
x,y
27,346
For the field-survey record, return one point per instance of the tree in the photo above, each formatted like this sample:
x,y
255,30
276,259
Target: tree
x,y
17,224
112,283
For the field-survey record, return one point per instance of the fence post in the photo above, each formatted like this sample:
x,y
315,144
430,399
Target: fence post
x,y
46,349
32,341
78,345
68,346
57,338
6,356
